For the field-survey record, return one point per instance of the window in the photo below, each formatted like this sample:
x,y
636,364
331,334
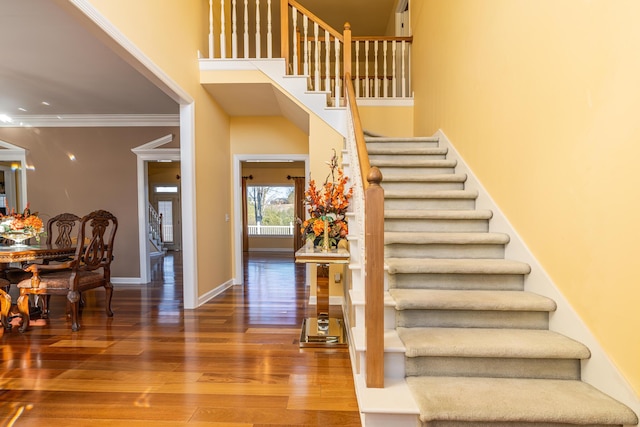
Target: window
x,y
172,189
270,210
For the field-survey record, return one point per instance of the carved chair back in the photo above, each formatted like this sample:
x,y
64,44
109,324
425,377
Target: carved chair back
x,y
94,243
60,229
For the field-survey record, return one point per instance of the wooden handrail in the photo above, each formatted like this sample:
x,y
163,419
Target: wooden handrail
x,y
361,144
314,18
374,249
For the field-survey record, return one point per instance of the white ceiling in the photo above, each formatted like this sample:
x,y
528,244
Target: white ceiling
x,y
49,57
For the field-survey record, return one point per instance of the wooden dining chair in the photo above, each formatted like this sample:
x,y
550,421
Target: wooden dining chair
x,y
89,268
59,233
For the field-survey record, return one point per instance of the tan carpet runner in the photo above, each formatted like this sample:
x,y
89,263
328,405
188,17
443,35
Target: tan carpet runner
x,y
478,348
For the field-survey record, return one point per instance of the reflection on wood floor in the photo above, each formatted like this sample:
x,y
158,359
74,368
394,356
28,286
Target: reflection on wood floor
x,y
235,361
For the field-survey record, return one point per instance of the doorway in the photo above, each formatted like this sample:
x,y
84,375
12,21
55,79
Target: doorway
x,y
238,161
165,198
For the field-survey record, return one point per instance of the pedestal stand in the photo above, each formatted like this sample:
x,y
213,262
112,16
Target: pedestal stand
x,y
322,330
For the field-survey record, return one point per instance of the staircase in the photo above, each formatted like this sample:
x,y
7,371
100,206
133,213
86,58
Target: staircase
x,y
477,346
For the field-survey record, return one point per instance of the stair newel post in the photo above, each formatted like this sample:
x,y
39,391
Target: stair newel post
x,y
346,60
284,32
374,279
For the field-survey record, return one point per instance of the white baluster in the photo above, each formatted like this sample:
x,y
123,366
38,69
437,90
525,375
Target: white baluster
x,y
357,80
404,76
269,33
294,34
384,76
246,28
258,36
210,29
376,79
223,38
327,67
338,77
366,68
394,81
234,30
317,57
305,29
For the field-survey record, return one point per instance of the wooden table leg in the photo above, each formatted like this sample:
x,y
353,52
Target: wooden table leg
x,y
5,306
322,295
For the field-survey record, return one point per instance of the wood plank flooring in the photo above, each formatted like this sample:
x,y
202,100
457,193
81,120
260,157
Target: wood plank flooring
x,y
233,362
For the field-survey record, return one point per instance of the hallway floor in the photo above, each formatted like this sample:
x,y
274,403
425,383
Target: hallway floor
x,y
235,361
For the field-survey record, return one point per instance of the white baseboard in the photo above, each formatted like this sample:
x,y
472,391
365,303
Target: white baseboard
x,y
599,370
202,299
127,281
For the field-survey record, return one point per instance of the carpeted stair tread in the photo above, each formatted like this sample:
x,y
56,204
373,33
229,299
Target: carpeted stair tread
x,y
420,162
430,238
391,139
517,401
438,194
437,214
420,151
445,299
480,342
445,177
456,266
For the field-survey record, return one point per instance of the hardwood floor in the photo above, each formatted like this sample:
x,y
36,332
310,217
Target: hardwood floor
x,y
233,362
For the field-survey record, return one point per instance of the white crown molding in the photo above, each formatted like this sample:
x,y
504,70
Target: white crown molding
x,y
95,120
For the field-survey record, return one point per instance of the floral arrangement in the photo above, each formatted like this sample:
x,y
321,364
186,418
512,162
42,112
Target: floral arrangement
x,y
25,223
327,207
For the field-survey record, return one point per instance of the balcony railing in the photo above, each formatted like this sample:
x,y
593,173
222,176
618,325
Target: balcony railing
x,y
270,230
250,29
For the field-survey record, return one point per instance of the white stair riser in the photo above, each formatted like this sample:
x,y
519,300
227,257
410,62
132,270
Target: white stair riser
x,y
564,369
506,282
443,250
394,364
381,419
472,319
389,316
437,225
442,204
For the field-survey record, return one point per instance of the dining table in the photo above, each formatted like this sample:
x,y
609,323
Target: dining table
x,y
24,254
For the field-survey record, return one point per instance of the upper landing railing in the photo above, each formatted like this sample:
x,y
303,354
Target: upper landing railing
x,y
379,66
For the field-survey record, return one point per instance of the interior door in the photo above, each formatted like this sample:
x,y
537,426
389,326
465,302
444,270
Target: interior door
x,y
168,205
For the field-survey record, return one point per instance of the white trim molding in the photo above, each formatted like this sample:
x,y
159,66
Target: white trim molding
x,y
94,120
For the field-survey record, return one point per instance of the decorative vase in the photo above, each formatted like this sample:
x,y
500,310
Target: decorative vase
x,y
18,237
325,237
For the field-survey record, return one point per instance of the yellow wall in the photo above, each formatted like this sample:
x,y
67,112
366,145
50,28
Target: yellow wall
x,y
277,135
170,33
387,121
541,97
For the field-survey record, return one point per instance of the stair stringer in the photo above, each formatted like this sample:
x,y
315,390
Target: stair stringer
x,y
293,86
598,370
